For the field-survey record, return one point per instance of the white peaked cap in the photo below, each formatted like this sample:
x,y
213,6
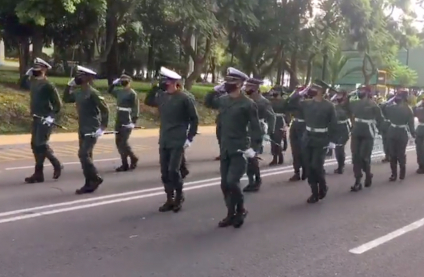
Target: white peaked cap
x,y
41,62
233,72
165,72
82,69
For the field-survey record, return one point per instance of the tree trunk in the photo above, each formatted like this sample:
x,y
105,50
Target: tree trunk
x,y
23,56
112,63
279,73
37,42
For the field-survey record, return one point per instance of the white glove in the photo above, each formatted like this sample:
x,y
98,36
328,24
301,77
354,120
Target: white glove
x,y
72,83
331,145
48,120
98,133
266,138
129,126
187,144
117,81
249,153
29,72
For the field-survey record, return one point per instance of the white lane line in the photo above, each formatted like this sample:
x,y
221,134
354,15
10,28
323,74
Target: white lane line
x,y
119,200
379,241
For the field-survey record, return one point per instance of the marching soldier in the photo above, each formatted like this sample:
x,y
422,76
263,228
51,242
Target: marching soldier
x,y
401,124
384,127
93,118
320,118
367,120
267,119
179,122
419,140
297,129
277,139
127,114
45,104
237,113
342,130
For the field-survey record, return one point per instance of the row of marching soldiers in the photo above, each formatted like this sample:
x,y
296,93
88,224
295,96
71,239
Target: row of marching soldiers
x,y
245,120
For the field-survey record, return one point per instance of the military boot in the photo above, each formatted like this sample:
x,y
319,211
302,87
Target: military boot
x,y
280,158
231,211
124,167
357,186
257,184
274,161
314,198
178,202
402,172
368,180
239,217
393,168
37,177
134,162
339,170
323,190
251,185
295,177
57,171
91,185
169,203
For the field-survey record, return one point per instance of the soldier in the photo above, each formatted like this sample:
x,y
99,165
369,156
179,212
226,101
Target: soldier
x,y
236,113
419,140
297,129
45,105
267,119
384,127
401,124
367,120
127,114
277,139
320,134
179,122
93,118
342,131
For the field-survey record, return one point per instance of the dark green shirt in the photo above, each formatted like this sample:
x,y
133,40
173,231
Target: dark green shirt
x,y
178,117
44,98
401,120
235,116
367,117
92,109
127,110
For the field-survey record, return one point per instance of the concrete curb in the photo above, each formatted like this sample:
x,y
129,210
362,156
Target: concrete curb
x,y
70,137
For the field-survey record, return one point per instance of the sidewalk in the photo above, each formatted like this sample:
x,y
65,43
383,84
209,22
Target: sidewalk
x,y
70,137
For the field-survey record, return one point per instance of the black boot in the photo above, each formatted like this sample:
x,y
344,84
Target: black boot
x,y
368,180
168,205
134,162
295,177
239,217
357,186
339,170
179,200
393,168
57,171
257,185
402,172
227,221
124,167
90,186
37,177
314,198
323,190
250,186
274,161
280,158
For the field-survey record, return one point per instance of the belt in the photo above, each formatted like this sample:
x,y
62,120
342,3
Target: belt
x,y
298,120
399,126
316,130
343,121
280,114
124,109
367,121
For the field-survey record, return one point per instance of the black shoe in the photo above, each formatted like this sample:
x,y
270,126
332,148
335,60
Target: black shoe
x,y
312,199
239,218
122,168
37,177
179,200
356,187
226,222
90,186
274,161
295,178
134,162
57,171
167,206
323,192
339,170
393,178
402,173
368,180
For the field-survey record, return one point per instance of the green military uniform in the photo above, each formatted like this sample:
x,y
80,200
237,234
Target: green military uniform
x,y
321,121
127,113
419,140
44,103
178,123
401,123
297,129
278,105
93,115
367,121
267,120
384,127
342,136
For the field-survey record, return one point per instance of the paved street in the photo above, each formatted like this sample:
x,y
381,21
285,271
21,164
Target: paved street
x,y
47,231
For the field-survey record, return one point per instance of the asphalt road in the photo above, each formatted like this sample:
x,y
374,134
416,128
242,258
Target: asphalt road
x,y
46,230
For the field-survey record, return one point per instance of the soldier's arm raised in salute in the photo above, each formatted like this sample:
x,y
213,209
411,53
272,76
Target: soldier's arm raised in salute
x,y
68,95
104,109
152,97
212,100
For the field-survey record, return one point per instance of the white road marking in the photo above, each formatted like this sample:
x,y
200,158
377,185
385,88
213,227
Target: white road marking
x,y
377,242
132,195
